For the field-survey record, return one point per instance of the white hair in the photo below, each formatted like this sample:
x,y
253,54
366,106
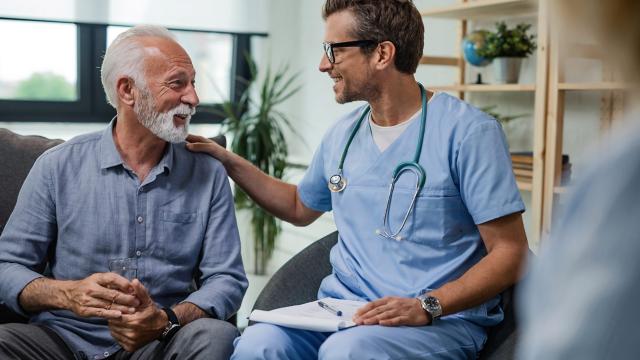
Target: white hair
x,y
125,57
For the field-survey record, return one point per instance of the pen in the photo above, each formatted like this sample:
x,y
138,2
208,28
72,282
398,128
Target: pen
x,y
330,309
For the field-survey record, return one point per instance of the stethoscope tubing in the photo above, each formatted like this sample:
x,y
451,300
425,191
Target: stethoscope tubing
x,y
338,183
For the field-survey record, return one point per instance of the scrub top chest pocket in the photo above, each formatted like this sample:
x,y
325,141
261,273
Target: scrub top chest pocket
x,y
181,231
440,217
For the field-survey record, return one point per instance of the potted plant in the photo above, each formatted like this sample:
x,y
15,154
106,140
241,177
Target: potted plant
x,y
507,47
256,127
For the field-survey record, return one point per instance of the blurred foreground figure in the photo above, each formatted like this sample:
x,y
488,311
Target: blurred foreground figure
x,y
580,301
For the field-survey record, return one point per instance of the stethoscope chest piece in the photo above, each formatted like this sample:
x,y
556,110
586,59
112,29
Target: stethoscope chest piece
x,y
337,183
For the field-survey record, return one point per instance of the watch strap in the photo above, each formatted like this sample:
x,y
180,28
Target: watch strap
x,y
173,318
172,327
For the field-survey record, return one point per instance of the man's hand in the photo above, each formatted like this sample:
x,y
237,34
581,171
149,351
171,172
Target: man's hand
x,y
145,325
392,311
105,295
197,143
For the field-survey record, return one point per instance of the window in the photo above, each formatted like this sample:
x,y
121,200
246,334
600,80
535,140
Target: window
x,y
211,55
51,71
54,79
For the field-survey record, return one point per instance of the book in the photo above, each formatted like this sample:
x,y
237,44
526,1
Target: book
x,y
522,166
311,316
523,172
526,157
522,158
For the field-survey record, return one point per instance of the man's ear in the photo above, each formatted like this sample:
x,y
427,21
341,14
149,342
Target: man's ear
x,y
385,55
125,89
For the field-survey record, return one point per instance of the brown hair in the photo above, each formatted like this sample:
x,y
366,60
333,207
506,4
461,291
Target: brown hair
x,y
397,21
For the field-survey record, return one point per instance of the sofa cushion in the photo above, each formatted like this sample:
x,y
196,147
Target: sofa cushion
x,y
17,155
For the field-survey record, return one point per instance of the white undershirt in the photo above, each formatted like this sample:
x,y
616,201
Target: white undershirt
x,y
384,136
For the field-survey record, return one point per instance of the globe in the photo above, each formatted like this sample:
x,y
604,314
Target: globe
x,y
470,45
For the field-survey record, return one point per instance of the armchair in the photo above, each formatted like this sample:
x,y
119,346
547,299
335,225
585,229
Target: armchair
x,y
298,281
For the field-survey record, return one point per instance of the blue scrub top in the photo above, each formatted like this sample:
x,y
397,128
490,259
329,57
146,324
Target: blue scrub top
x,y
469,181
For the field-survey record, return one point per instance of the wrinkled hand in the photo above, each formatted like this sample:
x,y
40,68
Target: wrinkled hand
x,y
197,143
132,331
392,311
105,295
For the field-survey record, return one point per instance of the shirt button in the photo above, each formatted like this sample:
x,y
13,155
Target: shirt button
x,y
138,253
140,219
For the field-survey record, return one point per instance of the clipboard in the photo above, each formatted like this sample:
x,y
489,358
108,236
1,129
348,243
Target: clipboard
x,y
311,316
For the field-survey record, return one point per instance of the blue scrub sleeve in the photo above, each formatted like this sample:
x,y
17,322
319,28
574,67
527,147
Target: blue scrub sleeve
x,y
313,189
487,184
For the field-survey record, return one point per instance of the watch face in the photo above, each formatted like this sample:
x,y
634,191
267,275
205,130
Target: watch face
x,y
433,306
168,333
432,303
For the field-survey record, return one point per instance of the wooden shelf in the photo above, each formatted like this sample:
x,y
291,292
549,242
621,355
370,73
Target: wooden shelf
x,y
485,88
594,86
523,185
483,9
441,60
560,189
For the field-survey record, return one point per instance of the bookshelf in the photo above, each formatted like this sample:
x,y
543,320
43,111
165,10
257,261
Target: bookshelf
x,y
465,12
483,9
593,86
548,183
612,99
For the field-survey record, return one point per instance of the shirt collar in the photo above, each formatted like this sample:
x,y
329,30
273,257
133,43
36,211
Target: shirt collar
x,y
110,157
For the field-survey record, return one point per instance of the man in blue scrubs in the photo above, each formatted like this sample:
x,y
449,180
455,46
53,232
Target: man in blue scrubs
x,y
462,244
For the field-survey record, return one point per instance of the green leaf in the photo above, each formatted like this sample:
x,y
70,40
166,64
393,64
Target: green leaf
x,y
257,128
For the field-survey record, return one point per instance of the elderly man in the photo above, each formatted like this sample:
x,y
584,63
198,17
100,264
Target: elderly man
x,y
139,234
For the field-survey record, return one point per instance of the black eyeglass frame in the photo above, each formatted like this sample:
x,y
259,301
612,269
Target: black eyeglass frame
x,y
328,47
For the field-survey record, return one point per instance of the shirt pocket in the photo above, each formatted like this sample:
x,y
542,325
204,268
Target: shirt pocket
x,y
438,219
181,235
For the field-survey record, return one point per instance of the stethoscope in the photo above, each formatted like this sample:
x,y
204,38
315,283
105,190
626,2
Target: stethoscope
x,y
338,183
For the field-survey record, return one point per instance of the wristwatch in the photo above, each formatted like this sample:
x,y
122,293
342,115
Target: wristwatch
x,y
172,327
431,305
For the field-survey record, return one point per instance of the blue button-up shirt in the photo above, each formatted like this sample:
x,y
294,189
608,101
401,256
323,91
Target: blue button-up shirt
x,y
83,209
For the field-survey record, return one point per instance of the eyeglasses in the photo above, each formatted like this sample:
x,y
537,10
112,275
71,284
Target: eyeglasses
x,y
328,47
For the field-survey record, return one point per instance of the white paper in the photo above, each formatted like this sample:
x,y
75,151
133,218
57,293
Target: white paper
x,y
311,316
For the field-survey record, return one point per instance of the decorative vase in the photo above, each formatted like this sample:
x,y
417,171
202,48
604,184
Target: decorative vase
x,y
507,69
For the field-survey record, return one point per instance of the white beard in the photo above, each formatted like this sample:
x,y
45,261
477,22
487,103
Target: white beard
x,y
161,123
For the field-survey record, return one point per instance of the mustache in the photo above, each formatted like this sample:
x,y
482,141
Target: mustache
x,y
183,109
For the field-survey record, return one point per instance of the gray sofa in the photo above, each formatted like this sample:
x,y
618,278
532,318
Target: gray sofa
x,y
285,289
17,155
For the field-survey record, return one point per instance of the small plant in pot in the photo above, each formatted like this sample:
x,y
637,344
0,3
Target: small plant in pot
x,y
507,47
